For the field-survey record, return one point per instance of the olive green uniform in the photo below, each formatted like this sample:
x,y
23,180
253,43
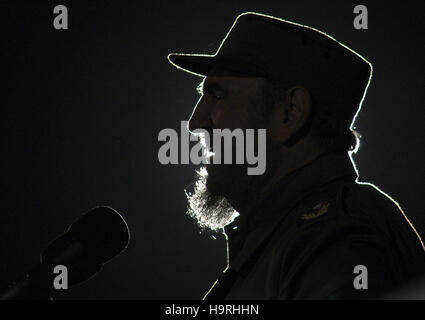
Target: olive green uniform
x,y
305,239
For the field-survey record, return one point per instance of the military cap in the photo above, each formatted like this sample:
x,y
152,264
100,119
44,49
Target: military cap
x,y
291,54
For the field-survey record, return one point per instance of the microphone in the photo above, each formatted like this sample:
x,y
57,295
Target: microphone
x,y
92,240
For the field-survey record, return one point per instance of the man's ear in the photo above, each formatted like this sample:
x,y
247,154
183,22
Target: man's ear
x,y
291,115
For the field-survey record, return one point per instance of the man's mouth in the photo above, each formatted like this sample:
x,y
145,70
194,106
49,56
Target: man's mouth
x,y
209,154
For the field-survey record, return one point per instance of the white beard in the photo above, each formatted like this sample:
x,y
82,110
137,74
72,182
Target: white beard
x,y
210,211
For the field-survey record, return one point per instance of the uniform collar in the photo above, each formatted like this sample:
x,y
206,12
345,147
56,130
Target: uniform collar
x,y
246,233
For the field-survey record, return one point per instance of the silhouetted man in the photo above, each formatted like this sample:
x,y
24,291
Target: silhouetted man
x,y
306,229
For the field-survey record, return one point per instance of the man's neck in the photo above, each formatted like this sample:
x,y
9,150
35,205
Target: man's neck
x,y
288,160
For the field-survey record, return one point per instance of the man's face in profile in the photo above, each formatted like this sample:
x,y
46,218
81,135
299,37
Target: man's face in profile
x,y
226,102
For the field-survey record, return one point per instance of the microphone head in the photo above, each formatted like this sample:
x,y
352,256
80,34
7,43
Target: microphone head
x,y
92,240
103,230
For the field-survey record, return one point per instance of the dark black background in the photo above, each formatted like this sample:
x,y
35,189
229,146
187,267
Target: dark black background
x,y
82,108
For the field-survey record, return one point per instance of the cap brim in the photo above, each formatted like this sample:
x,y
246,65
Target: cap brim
x,y
197,64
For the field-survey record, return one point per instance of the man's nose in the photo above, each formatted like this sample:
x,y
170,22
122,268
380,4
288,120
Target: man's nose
x,y
200,118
